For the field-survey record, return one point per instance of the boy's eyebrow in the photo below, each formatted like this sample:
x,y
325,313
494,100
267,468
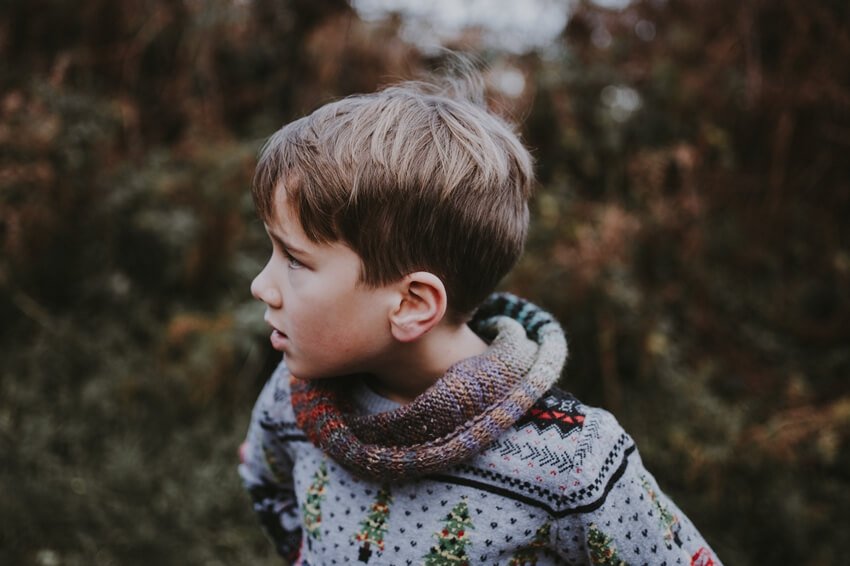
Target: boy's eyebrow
x,y
283,243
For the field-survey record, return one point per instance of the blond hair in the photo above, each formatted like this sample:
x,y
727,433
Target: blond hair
x,y
414,177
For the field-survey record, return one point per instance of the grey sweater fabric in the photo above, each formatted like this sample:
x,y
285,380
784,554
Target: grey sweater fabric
x,y
563,484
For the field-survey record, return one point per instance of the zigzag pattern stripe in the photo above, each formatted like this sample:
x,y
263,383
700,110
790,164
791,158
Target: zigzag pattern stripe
x,y
558,506
591,432
562,462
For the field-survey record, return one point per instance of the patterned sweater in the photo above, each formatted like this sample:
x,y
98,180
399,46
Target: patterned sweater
x,y
514,471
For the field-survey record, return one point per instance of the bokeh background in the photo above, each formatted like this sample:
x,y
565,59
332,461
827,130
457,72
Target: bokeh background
x,y
690,231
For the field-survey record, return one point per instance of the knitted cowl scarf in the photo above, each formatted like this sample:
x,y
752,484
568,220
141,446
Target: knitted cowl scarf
x,y
469,406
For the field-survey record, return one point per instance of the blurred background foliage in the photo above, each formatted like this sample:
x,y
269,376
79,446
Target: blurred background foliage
x,y
690,230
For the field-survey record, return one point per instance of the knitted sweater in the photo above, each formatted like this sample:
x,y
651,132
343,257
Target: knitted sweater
x,y
491,465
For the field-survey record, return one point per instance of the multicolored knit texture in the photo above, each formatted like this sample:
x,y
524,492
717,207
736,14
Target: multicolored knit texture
x,y
472,404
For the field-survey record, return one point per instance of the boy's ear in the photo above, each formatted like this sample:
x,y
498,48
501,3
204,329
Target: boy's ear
x,y
422,306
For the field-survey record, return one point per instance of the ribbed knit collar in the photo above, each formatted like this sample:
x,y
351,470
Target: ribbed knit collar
x,y
469,406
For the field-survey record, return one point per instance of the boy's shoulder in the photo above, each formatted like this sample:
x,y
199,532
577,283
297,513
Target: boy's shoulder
x,y
561,455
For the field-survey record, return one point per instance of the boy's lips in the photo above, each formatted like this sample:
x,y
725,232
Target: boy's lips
x,y
279,340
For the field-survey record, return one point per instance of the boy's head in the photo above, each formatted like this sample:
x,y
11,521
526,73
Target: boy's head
x,y
412,178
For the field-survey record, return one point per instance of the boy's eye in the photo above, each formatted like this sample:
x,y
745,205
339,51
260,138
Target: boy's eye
x,y
279,247
294,263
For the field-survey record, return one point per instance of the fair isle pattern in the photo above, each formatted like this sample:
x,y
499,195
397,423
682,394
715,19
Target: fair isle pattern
x,y
531,494
469,407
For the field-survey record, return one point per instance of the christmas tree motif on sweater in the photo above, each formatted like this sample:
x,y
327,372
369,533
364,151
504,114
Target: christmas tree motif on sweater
x,y
528,554
602,549
669,521
311,509
374,526
702,558
272,463
452,540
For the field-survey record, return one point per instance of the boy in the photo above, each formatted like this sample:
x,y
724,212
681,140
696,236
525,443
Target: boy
x,y
414,419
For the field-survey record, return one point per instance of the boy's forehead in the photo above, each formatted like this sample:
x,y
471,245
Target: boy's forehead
x,y
284,211
282,219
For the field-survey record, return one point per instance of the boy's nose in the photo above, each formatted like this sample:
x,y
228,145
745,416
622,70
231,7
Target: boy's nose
x,y
263,289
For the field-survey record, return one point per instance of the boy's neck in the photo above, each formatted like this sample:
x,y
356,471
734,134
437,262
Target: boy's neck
x,y
421,363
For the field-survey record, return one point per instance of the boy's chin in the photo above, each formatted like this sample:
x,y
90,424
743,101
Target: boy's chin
x,y
305,373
